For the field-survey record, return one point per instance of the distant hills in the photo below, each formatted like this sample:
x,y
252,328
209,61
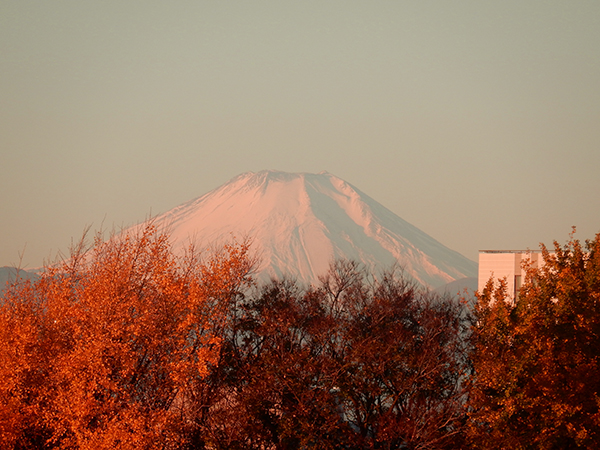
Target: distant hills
x,y
10,274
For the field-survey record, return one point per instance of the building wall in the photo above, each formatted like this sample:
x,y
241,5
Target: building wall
x,y
506,263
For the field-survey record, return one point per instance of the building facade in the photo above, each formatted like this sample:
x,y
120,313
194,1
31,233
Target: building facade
x,y
506,264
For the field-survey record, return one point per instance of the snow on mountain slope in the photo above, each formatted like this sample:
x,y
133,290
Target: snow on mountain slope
x,y
300,222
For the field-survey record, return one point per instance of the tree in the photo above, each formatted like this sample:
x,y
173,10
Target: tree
x,y
287,383
352,363
402,367
127,346
108,348
537,360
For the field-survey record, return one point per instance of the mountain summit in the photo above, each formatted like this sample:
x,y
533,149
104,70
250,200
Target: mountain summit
x,y
300,222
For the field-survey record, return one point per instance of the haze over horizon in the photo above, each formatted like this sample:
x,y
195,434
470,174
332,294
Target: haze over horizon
x,y
475,122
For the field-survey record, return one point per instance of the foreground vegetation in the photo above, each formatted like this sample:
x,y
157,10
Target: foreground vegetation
x,y
130,347
537,360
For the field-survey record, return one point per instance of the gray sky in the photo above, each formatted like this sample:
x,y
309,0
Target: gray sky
x,y
476,121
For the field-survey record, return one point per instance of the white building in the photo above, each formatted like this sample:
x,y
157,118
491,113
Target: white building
x,y
506,263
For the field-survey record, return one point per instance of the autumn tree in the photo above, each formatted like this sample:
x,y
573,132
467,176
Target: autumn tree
x,y
108,348
287,386
354,362
127,346
537,359
225,279
402,365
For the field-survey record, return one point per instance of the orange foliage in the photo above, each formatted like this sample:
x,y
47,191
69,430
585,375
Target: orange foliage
x,y
537,360
104,350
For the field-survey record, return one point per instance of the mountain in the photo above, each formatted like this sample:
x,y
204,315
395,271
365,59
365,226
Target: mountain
x,y
463,287
9,275
300,222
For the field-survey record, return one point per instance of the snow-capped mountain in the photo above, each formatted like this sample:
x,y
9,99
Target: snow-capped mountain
x,y
300,222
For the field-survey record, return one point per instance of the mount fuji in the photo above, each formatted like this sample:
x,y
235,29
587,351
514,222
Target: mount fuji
x,y
300,222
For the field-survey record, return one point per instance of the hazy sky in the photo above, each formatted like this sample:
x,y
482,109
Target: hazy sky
x,y
476,121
